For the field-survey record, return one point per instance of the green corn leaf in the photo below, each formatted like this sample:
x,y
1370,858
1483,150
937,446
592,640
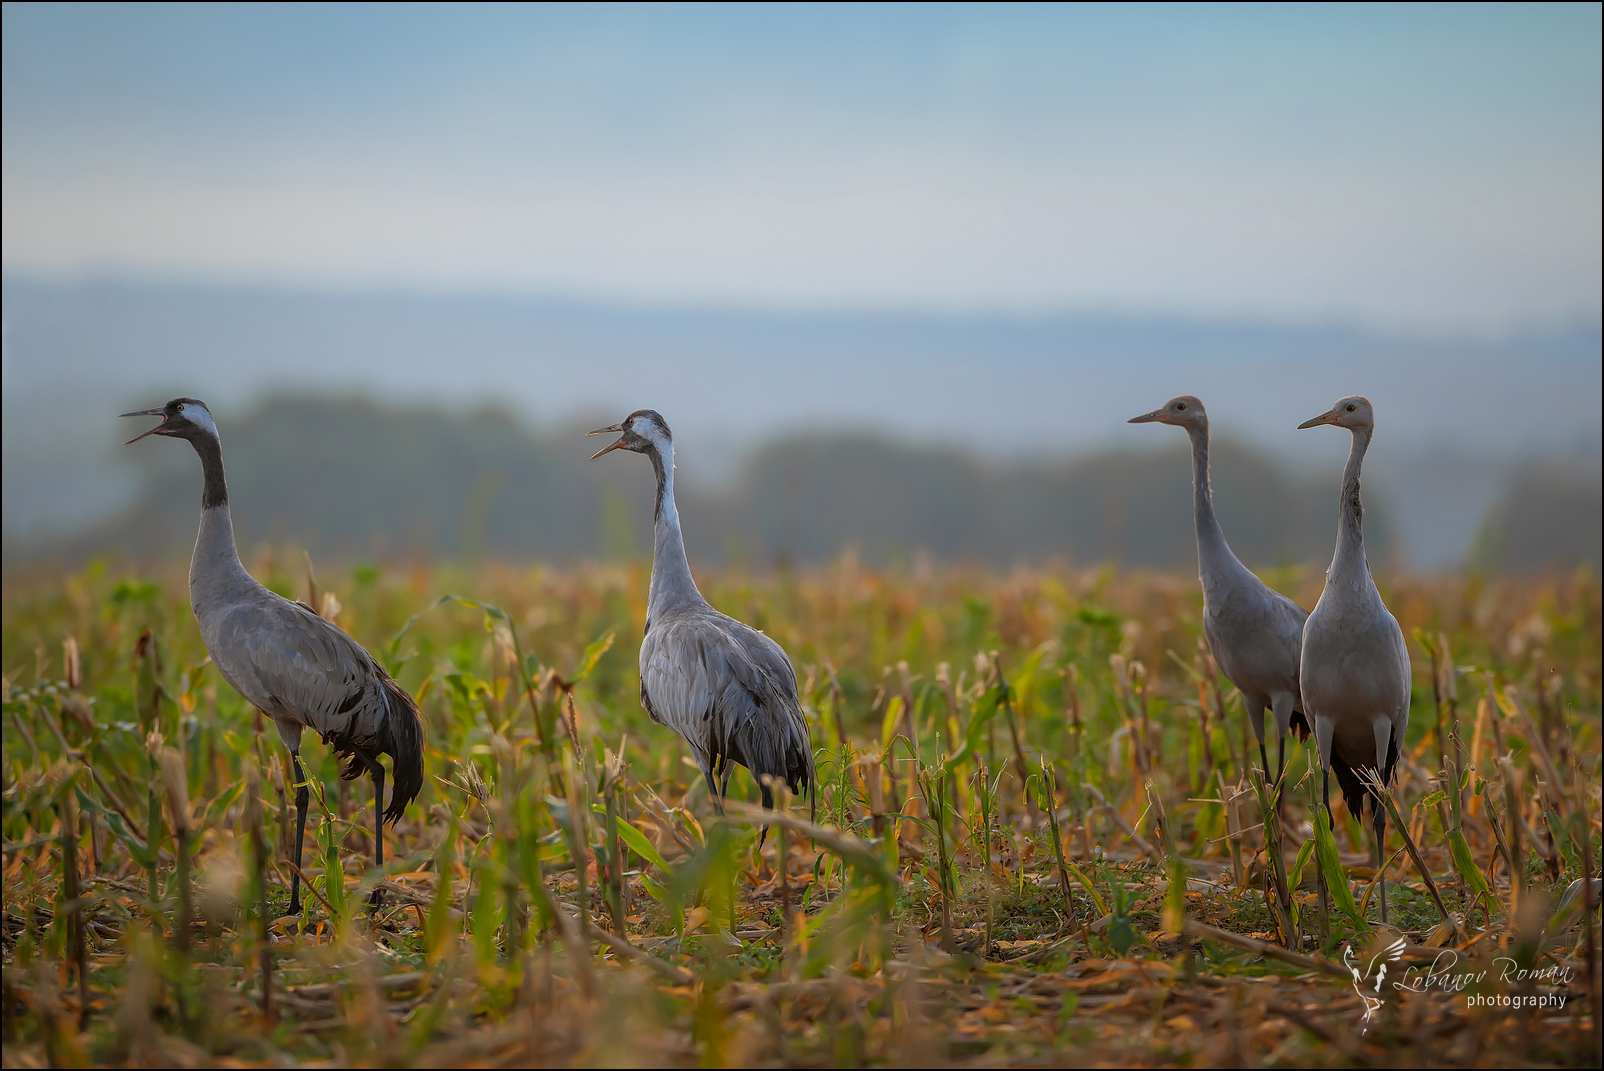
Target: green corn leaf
x,y
1295,875
641,845
1330,864
487,905
592,655
437,923
985,709
333,876
1464,864
218,807
888,725
137,849
1175,897
1120,934
1091,890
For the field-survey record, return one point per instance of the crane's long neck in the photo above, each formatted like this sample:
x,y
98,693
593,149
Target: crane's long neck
x,y
1350,553
215,569
672,584
1214,557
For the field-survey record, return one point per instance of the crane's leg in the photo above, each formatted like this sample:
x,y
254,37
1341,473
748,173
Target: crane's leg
x,y
376,771
303,796
713,793
1381,838
1382,727
1255,711
1281,705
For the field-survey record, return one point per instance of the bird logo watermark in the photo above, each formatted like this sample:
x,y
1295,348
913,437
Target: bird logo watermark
x,y
1372,975
1376,979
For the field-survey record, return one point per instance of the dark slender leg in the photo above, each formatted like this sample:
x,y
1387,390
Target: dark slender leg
x,y
376,771
1264,757
1326,784
303,796
1280,759
1381,839
712,792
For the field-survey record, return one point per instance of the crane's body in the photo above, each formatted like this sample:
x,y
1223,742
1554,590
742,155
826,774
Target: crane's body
x,y
1254,632
725,687
1356,672
301,671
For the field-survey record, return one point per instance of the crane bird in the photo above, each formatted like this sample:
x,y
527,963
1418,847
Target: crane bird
x,y
297,668
1254,632
1355,666
725,687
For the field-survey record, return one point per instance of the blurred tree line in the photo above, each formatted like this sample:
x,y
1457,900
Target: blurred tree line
x,y
352,479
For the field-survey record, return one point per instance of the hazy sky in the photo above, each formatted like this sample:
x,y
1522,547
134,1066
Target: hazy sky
x,y
1426,167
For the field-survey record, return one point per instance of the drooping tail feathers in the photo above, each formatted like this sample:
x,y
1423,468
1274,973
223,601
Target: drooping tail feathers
x,y
1299,725
769,748
401,737
1354,789
798,776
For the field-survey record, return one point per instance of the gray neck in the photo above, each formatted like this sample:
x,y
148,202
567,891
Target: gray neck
x,y
215,570
1350,553
1214,557
672,584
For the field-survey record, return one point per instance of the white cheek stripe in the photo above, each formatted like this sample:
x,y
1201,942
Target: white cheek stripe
x,y
651,432
198,414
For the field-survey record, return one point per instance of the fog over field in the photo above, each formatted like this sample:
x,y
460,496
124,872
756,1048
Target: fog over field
x,y
798,432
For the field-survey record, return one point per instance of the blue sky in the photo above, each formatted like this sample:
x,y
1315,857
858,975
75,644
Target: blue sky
x,y
1429,168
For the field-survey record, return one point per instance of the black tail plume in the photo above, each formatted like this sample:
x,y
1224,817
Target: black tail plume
x,y
401,738
1299,725
1354,789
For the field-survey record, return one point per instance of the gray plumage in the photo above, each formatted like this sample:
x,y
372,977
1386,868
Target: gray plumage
x,y
1256,633
725,687
301,671
1356,674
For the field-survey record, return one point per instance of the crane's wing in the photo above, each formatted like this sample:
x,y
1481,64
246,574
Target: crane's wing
x,y
1400,712
1287,618
295,665
1256,635
675,683
730,692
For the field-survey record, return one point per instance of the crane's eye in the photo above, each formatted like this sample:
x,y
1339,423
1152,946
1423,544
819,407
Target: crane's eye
x,y
1351,407
1179,406
180,408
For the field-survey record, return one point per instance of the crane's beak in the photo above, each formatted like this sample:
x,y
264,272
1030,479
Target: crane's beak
x,y
1324,418
1154,417
609,429
146,412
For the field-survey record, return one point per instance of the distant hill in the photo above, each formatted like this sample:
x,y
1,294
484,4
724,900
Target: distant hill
x,y
353,479
1550,517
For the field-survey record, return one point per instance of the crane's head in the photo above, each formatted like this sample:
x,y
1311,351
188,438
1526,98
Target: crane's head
x,y
1184,411
644,431
1352,412
182,418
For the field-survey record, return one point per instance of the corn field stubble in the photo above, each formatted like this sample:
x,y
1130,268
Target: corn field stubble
x,y
1038,835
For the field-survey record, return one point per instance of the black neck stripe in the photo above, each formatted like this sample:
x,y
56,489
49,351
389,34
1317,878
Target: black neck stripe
x,y
211,456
